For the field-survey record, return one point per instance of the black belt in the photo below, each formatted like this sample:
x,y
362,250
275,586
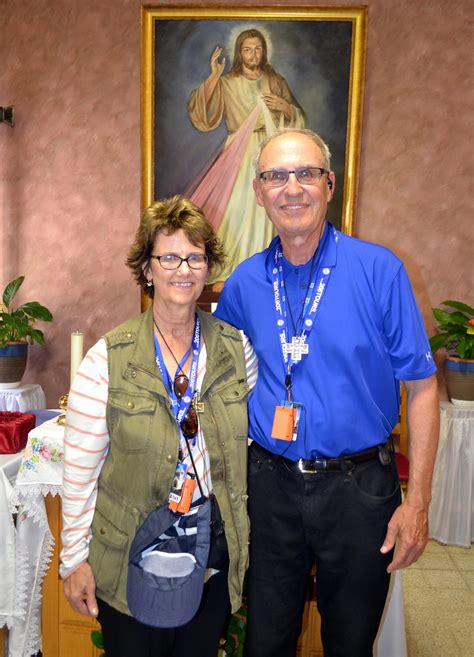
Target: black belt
x,y
311,466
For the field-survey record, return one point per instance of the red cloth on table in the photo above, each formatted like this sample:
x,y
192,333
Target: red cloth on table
x,y
403,467
14,429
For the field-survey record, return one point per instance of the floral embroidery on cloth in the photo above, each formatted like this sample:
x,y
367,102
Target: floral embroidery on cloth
x,y
38,452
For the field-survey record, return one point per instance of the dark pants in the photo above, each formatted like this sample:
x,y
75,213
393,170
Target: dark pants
x,y
126,637
336,520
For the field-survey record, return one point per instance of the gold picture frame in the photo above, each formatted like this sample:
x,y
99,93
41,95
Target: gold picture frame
x,y
320,51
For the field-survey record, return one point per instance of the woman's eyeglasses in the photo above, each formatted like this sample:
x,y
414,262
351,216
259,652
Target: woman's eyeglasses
x,y
190,423
172,261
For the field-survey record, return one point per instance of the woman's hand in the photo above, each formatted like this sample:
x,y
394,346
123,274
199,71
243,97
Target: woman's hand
x,y
79,589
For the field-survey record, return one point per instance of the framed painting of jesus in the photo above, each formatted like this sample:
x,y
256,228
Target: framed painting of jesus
x,y
217,81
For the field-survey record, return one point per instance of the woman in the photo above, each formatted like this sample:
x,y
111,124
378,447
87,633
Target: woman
x,y
132,436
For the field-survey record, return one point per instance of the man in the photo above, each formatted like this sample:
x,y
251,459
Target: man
x,y
254,100
336,327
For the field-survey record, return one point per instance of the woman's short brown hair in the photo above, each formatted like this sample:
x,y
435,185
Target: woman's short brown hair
x,y
169,215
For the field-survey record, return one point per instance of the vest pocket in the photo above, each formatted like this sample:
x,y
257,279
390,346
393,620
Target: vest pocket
x,y
107,551
234,397
131,417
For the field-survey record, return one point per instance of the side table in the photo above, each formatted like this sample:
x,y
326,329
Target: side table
x,y
23,398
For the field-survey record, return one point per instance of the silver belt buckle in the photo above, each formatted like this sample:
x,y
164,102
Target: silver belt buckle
x,y
302,469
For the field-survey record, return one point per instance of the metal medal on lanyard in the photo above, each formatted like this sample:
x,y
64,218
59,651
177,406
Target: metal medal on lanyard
x,y
184,482
287,415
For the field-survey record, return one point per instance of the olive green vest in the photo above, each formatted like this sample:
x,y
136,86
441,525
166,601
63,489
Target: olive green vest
x,y
140,465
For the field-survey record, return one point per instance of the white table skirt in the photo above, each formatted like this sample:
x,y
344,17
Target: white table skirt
x,y
39,474
9,464
452,508
391,639
24,398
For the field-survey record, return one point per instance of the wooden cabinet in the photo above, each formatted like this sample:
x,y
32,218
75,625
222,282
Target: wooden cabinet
x,y
309,643
67,634
311,635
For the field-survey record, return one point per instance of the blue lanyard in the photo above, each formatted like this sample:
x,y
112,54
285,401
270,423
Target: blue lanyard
x,y
294,351
180,406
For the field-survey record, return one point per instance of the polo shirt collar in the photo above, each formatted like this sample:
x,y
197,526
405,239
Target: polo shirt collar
x,y
329,256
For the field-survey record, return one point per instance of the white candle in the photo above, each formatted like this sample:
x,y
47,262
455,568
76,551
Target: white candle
x,y
77,345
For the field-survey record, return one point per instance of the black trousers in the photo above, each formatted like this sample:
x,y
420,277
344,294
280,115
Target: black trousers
x,y
124,636
337,520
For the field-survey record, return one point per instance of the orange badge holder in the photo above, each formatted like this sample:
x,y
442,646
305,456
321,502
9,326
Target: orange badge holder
x,y
284,422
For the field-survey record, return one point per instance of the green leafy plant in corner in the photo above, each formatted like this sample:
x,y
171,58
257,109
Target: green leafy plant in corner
x,y
18,325
455,330
232,644
98,641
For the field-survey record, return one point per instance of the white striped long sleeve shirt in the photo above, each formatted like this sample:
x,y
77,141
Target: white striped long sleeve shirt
x,y
86,444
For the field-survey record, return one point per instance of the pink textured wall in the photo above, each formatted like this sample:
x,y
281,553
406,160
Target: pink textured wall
x,y
70,169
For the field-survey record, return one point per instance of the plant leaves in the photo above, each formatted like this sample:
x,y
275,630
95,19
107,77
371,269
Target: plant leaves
x,y
36,335
6,319
459,318
463,307
36,311
97,640
465,348
4,336
18,324
453,329
10,291
441,315
438,341
461,349
450,318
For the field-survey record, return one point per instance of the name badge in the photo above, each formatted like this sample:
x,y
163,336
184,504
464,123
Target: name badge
x,y
284,422
182,502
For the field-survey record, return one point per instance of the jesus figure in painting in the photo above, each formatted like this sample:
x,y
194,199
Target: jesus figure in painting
x,y
254,101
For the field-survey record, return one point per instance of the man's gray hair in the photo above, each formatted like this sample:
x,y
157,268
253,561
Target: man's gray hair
x,y
323,147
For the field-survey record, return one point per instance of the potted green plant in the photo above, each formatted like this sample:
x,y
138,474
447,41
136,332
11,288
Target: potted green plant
x,y
16,332
98,641
455,332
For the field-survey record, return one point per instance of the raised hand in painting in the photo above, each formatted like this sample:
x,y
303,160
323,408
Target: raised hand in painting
x,y
217,67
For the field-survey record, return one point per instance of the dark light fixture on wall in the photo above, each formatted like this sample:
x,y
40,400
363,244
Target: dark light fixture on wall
x,y
7,115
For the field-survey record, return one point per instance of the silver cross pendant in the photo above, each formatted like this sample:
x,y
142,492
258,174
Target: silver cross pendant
x,y
297,347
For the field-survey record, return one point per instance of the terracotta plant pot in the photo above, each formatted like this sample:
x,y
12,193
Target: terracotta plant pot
x,y
13,360
460,381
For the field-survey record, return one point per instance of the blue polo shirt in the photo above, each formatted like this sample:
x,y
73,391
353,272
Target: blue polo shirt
x,y
368,335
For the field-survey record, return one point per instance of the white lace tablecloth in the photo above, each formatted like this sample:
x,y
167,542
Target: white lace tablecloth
x,y
13,584
452,506
40,473
24,398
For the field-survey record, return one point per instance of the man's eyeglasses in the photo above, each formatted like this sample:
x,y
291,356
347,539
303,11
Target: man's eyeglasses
x,y
189,423
304,175
173,261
